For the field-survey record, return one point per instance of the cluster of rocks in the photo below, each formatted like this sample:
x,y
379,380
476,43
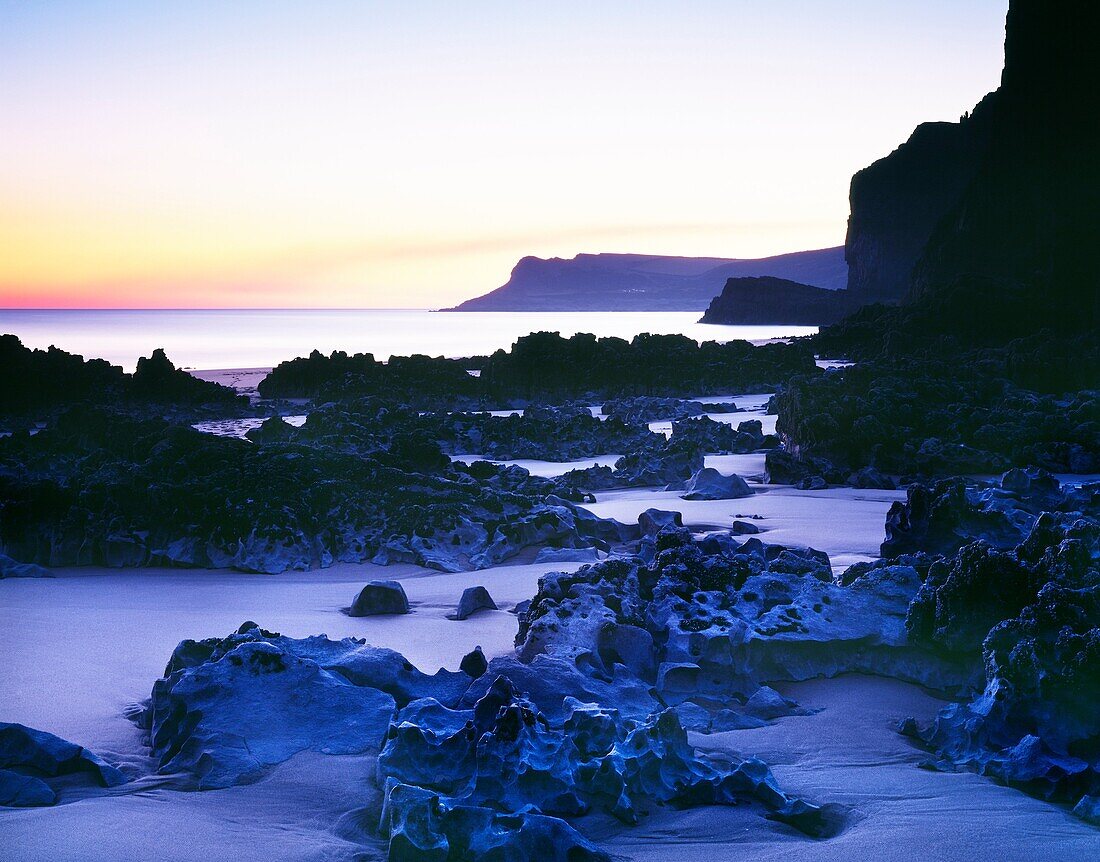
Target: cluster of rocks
x,y
1019,595
31,760
463,783
37,384
650,408
101,488
497,754
566,433
710,620
417,379
808,473
545,367
1032,402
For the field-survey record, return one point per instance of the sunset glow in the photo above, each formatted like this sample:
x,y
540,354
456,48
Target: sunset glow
x,y
408,154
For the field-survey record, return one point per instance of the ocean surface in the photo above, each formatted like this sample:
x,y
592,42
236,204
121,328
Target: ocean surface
x,y
262,338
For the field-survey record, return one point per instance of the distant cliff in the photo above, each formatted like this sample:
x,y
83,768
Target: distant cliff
x,y
639,282
763,299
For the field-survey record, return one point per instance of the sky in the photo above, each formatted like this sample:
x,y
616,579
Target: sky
x,y
407,154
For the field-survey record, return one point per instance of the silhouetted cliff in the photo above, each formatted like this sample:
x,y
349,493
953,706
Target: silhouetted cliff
x,y
1008,195
762,300
640,282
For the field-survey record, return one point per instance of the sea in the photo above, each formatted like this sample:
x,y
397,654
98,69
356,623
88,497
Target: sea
x,y
262,338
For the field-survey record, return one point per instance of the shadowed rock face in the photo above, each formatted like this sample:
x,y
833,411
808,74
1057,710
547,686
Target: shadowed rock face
x,y
30,758
1009,193
766,299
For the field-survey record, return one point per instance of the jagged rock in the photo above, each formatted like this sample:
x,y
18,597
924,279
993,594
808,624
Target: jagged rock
x,y
709,484
947,515
644,408
503,755
474,664
10,568
273,430
706,435
1088,808
28,757
716,619
380,597
353,485
652,521
782,468
24,791
870,478
1035,611
473,599
228,708
567,555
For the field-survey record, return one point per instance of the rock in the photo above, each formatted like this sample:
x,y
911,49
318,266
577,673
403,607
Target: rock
x,y
502,755
643,409
24,791
10,568
567,555
767,704
382,597
228,708
721,619
1034,611
782,468
28,757
1088,808
811,483
709,484
943,517
356,483
765,299
273,430
744,528
870,478
473,599
652,521
474,664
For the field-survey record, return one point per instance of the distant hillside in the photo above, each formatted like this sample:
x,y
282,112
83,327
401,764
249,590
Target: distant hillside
x,y
641,282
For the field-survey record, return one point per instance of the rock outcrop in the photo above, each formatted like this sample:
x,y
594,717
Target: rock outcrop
x,y
765,299
30,759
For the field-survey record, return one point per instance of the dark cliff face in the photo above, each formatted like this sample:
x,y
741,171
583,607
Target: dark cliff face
x,y
898,201
1029,215
1008,194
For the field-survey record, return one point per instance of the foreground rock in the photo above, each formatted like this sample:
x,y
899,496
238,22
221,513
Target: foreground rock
x,y
500,777
10,568
474,599
228,708
709,621
380,598
1030,614
29,758
709,484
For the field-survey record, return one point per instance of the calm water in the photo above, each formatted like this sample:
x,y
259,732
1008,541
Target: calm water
x,y
261,338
